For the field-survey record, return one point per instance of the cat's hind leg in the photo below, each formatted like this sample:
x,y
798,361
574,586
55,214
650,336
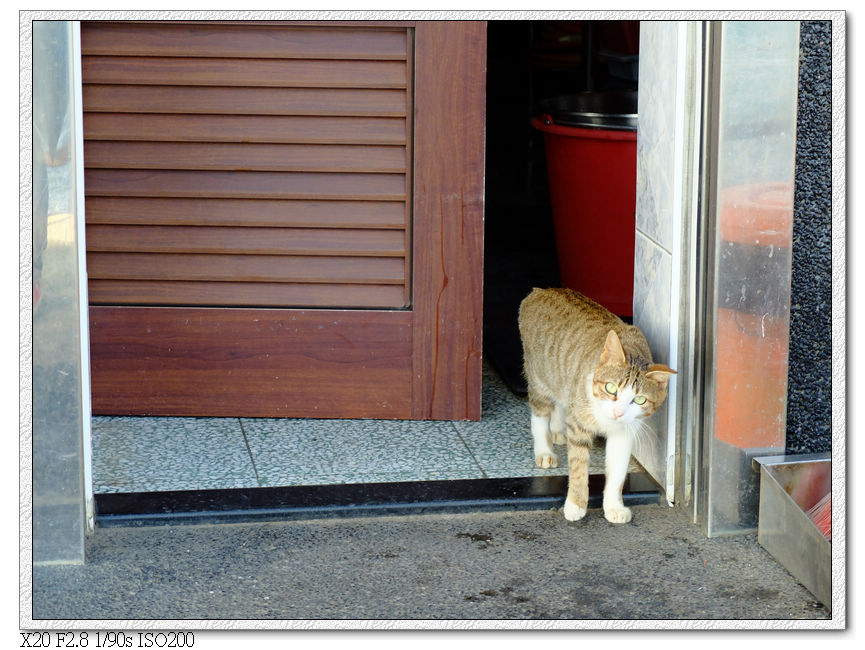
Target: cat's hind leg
x,y
542,408
557,424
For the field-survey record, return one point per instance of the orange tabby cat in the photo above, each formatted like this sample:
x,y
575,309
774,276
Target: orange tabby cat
x,y
589,374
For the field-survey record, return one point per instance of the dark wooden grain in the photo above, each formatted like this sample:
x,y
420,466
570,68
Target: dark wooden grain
x,y
409,148
246,212
245,241
449,106
245,268
238,356
244,72
245,157
272,144
217,100
239,362
244,128
245,294
253,185
245,40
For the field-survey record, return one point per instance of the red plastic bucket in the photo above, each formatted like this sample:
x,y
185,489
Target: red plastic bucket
x,y
593,190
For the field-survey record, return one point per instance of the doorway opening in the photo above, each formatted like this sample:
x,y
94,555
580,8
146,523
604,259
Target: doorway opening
x,y
527,61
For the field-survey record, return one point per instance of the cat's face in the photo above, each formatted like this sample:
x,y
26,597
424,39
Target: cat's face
x,y
624,392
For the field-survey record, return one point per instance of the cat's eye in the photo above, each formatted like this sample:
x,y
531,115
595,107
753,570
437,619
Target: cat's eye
x,y
611,388
640,400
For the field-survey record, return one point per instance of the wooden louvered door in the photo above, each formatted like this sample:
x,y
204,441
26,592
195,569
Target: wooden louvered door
x,y
284,219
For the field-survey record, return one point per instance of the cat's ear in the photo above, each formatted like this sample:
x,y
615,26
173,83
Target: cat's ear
x,y
613,352
660,373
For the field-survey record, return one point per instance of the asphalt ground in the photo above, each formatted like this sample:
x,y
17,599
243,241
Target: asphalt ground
x,y
528,565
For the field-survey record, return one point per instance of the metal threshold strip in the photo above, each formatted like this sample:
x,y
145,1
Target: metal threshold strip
x,y
348,500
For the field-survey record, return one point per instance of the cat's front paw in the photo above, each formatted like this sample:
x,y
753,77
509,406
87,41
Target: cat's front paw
x,y
546,460
573,512
558,437
617,514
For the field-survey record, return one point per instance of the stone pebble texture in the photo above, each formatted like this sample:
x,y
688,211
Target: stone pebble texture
x,y
809,389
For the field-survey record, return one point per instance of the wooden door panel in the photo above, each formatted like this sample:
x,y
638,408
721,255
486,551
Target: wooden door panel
x,y
252,362
294,195
285,219
450,89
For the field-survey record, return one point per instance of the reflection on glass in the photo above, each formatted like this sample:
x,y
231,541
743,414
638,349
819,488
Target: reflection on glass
x,y
58,492
756,154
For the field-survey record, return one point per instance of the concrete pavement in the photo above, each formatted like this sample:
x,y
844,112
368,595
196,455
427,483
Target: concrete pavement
x,y
499,565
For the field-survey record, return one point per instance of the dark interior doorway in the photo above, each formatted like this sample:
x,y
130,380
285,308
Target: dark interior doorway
x,y
527,62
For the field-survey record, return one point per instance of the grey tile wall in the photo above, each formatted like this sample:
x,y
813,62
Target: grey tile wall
x,y
660,159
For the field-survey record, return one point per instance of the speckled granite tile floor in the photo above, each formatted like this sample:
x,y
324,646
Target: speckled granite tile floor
x,y
141,454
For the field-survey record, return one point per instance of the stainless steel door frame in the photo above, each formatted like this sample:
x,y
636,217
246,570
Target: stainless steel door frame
x,y
741,115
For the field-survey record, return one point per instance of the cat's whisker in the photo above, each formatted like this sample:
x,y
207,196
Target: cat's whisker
x,y
644,437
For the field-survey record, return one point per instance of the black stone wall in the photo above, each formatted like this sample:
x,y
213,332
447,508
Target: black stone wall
x,y
809,390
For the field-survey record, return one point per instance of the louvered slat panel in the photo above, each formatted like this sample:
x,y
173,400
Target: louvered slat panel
x,y
246,241
245,268
253,185
250,41
247,157
245,212
245,128
258,101
244,72
243,165
243,294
